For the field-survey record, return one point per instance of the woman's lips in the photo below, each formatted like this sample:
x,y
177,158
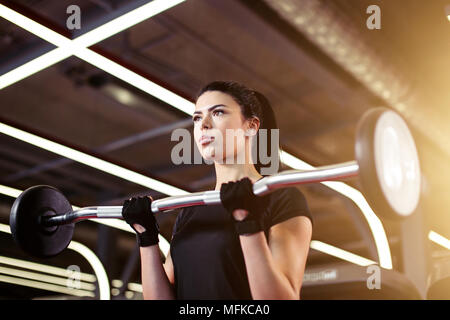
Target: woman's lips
x,y
206,140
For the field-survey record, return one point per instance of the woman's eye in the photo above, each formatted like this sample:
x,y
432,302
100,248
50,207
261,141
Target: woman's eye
x,y
216,111
195,118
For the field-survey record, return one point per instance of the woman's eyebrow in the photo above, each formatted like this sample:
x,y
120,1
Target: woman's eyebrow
x,y
211,108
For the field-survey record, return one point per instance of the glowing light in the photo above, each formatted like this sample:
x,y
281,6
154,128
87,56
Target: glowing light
x,y
440,240
341,254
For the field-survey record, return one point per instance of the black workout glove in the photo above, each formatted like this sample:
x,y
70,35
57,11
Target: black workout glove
x,y
138,211
239,195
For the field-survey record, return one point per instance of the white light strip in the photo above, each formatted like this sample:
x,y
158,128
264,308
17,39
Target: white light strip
x,y
97,266
46,286
10,192
440,240
164,245
341,254
78,46
125,21
90,161
136,80
31,67
32,26
117,283
135,287
44,278
43,268
375,225
187,107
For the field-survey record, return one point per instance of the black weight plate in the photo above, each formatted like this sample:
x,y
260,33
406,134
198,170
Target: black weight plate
x,y
26,228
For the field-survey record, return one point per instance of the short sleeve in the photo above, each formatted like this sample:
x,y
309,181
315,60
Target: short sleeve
x,y
178,222
286,203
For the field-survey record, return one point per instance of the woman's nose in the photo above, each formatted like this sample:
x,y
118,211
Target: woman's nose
x,y
206,123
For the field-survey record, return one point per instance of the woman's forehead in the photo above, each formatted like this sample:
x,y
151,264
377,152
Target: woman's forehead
x,y
212,98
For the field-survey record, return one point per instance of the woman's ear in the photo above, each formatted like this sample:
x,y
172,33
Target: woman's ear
x,y
252,126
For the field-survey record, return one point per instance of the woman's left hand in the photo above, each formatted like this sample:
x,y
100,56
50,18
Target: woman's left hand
x,y
244,206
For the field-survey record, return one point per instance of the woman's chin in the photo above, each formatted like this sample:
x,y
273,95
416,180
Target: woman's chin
x,y
209,153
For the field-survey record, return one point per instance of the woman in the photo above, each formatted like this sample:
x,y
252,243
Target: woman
x,y
248,247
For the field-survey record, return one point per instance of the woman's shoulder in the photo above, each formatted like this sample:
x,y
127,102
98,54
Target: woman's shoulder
x,y
286,203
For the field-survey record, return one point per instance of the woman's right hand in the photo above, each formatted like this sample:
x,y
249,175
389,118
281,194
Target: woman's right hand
x,y
138,214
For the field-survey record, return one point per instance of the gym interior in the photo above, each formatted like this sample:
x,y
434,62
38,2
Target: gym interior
x,y
91,92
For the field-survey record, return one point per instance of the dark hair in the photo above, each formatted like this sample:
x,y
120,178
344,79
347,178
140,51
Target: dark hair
x,y
253,104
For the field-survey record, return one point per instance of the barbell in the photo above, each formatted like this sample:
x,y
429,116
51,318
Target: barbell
x,y
42,220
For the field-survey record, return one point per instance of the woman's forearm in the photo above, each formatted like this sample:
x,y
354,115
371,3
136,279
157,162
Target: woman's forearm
x,y
155,283
265,280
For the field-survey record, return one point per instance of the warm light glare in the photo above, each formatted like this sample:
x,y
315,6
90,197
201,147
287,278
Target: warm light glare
x,y
440,240
341,254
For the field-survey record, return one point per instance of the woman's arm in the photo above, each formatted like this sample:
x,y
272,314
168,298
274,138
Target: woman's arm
x,y
275,269
157,280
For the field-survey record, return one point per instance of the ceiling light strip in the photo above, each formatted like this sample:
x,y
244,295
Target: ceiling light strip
x,y
125,21
97,266
42,62
440,240
42,267
90,161
46,286
136,80
341,254
44,278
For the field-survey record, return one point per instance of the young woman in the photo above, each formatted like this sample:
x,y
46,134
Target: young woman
x,y
248,247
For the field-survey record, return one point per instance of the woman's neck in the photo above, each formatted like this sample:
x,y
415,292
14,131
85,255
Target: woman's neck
x,y
235,172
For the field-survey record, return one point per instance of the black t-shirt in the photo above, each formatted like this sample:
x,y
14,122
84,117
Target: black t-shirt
x,y
207,255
